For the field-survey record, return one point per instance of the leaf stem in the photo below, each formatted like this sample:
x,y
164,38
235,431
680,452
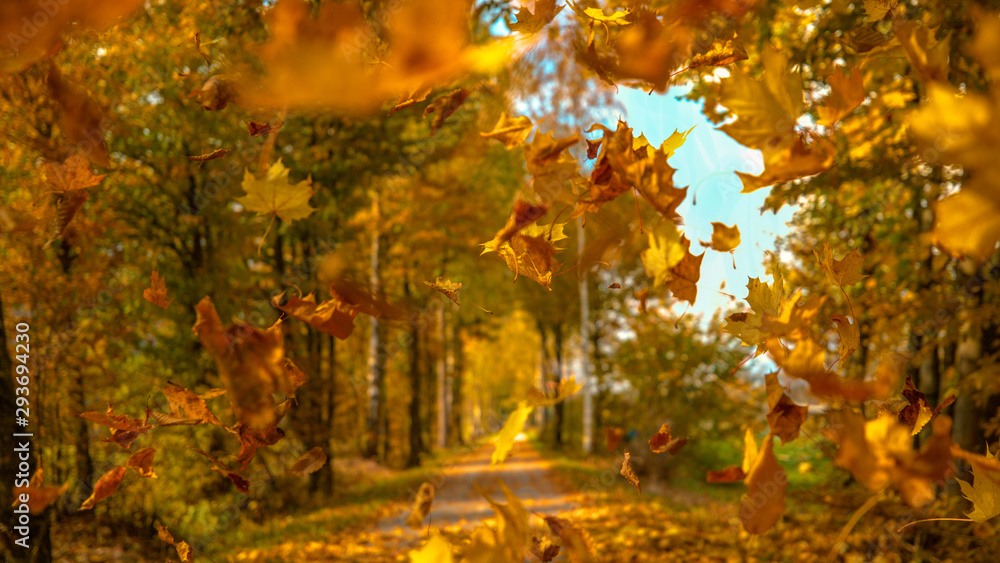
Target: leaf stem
x,y
936,520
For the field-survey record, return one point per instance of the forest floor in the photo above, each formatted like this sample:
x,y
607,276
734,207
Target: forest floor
x,y
672,520
666,523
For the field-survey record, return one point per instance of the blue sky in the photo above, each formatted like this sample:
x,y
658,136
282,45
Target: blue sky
x,y
707,163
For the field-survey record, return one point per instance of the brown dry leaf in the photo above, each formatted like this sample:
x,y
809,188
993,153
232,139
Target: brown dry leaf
x,y
576,541
421,506
722,53
447,288
242,485
249,360
82,120
612,437
410,98
216,93
784,417
73,174
730,474
39,496
764,503
642,296
124,430
185,402
918,413
184,550
850,334
142,461
217,153
333,317
662,441
683,282
444,106
251,440
67,206
310,462
257,129
629,474
543,549
105,487
156,293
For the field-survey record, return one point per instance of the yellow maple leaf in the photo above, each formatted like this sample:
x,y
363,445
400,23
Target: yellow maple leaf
x,y
275,195
725,238
846,93
533,22
665,251
765,300
511,131
843,272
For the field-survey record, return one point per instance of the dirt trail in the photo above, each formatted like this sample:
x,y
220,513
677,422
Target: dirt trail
x,y
458,503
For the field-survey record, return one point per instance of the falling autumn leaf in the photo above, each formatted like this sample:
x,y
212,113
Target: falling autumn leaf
x,y
447,288
83,120
274,195
217,153
784,417
629,474
764,503
421,506
184,550
309,462
105,487
249,361
73,174
40,497
333,317
730,474
511,131
257,129
662,441
843,272
444,106
156,293
534,21
186,403
725,239
613,436
142,461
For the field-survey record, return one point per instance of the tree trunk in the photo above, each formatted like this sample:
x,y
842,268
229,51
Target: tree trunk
x,y
543,372
557,342
587,391
8,464
376,367
416,438
441,436
457,394
39,541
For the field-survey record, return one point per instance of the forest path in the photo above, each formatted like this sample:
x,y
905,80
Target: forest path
x,y
457,503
